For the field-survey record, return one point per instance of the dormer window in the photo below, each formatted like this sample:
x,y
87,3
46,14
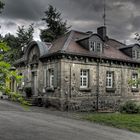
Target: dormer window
x,y
95,46
92,45
99,49
136,54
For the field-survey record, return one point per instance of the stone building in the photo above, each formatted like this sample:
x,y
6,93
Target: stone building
x,y
81,71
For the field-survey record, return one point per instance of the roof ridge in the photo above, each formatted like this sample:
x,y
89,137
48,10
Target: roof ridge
x,y
67,42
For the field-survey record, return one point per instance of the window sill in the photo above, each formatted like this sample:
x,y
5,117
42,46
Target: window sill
x,y
49,88
135,90
110,89
85,89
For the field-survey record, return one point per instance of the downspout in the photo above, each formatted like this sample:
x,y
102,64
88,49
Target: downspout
x,y
97,90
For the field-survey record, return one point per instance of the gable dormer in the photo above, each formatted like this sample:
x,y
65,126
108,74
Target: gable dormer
x,y
132,51
136,51
93,43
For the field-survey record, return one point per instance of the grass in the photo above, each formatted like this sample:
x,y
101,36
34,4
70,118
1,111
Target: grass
x,y
124,121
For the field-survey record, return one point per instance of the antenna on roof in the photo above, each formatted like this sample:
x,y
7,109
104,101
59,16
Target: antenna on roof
x,y
104,13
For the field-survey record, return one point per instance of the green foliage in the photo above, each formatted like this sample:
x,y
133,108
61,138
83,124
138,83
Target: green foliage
x,y
130,107
55,25
6,74
19,43
12,42
25,36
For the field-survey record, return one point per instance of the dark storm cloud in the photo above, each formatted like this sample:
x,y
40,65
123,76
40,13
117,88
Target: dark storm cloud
x,y
122,16
22,9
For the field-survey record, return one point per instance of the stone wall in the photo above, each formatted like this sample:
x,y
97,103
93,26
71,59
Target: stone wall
x,y
67,94
79,99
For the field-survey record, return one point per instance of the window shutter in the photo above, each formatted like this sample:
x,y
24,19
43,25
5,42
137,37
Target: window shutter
x,y
113,79
47,77
55,77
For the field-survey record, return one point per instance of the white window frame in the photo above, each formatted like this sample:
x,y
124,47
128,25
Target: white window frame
x,y
92,45
99,47
84,78
51,77
134,78
138,54
109,79
134,54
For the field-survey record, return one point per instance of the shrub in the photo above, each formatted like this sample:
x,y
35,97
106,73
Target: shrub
x,y
130,107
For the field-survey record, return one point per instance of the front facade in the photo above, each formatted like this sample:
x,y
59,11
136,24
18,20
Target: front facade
x,y
81,71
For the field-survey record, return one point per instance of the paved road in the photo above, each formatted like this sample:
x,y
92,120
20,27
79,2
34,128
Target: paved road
x,y
16,123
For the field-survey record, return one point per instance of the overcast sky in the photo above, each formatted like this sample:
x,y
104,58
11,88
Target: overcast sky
x,y
123,16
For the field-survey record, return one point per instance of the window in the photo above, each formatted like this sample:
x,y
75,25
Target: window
x,y
92,45
84,77
109,79
134,80
136,54
51,77
98,47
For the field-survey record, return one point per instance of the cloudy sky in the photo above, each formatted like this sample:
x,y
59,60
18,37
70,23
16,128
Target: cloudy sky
x,y
123,16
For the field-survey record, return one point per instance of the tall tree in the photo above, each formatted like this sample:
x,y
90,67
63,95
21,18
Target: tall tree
x,y
18,43
6,72
24,36
55,25
12,42
1,6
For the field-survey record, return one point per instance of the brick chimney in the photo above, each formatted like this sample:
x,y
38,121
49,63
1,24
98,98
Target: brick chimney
x,y
101,31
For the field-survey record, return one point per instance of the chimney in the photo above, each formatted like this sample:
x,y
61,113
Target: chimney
x,y
101,31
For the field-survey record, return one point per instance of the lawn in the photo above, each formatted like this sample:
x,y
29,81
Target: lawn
x,y
124,121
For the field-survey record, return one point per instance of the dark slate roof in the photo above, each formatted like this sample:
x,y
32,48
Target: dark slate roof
x,y
87,37
68,44
129,46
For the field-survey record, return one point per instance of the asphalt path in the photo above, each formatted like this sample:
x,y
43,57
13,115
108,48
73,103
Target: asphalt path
x,y
34,123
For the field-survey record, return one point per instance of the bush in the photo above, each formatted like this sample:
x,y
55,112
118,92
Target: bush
x,y
130,107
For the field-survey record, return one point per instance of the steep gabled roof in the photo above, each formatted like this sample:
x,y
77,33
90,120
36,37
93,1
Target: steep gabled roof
x,y
68,44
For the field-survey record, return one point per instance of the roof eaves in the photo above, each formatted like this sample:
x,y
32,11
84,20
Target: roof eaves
x,y
91,56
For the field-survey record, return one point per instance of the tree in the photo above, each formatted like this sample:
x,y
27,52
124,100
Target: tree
x,y
1,6
137,37
11,55
18,43
24,37
6,74
55,25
